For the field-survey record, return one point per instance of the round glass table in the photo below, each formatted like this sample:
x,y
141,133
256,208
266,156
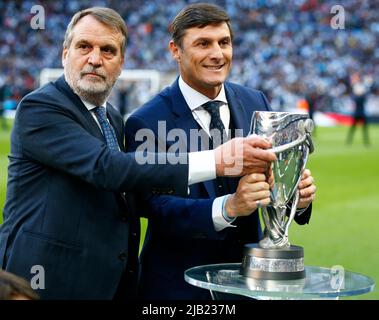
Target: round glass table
x,y
319,283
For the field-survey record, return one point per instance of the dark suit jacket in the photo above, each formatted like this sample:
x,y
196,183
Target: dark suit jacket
x,y
65,208
180,231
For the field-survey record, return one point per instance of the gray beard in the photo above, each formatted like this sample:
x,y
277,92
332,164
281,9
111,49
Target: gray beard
x,y
93,95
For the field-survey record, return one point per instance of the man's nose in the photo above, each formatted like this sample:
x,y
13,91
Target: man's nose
x,y
94,58
216,52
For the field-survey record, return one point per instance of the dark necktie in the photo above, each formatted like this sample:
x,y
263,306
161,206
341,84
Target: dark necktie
x,y
216,127
108,131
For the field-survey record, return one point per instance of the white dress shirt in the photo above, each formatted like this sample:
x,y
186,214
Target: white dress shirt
x,y
195,100
91,108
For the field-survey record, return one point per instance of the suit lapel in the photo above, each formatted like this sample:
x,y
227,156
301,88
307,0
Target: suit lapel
x,y
183,115
237,111
241,120
185,121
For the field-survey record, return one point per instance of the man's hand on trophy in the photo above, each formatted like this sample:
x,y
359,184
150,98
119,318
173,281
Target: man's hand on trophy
x,y
252,192
241,156
307,190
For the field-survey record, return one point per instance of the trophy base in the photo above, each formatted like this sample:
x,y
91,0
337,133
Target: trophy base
x,y
273,263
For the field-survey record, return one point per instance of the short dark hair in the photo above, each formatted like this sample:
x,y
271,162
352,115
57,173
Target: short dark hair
x,y
12,286
197,15
105,15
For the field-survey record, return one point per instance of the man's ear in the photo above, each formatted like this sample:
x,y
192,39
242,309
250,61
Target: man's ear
x,y
122,62
64,56
174,51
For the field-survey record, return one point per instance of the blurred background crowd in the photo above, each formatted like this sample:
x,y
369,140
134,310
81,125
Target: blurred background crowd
x,y
288,49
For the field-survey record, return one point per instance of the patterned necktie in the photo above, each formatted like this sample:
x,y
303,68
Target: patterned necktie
x,y
216,127
108,131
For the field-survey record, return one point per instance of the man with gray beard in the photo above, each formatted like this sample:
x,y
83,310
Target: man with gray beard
x,y
69,220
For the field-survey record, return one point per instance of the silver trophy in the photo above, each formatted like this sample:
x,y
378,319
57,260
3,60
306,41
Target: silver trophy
x,y
274,258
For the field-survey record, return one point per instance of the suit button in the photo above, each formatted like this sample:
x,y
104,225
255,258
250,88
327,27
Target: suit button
x,y
122,256
134,234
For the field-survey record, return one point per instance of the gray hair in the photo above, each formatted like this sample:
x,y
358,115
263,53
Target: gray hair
x,y
105,15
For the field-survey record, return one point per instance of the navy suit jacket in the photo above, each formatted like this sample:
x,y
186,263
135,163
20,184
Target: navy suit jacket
x,y
180,231
70,206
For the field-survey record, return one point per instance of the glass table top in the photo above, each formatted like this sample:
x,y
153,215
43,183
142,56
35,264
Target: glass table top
x,y
319,283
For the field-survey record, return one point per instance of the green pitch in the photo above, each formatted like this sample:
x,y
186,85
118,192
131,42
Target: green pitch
x,y
344,228
4,151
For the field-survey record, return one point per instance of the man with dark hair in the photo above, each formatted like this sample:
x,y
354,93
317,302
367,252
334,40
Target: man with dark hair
x,y
70,207
211,224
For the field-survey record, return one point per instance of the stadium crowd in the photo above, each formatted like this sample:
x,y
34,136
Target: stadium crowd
x,y
288,49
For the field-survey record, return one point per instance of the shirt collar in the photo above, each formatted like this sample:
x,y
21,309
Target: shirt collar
x,y
91,106
196,99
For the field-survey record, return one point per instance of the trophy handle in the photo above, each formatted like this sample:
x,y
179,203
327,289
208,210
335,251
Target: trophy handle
x,y
293,212
295,201
305,128
289,145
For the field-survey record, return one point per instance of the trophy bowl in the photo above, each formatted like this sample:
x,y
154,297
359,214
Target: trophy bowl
x,y
274,258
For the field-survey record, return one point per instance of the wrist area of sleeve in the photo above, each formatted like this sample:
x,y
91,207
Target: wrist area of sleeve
x,y
301,210
201,166
219,214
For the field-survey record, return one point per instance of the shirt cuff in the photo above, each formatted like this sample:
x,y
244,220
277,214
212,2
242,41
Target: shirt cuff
x,y
201,166
219,220
301,211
